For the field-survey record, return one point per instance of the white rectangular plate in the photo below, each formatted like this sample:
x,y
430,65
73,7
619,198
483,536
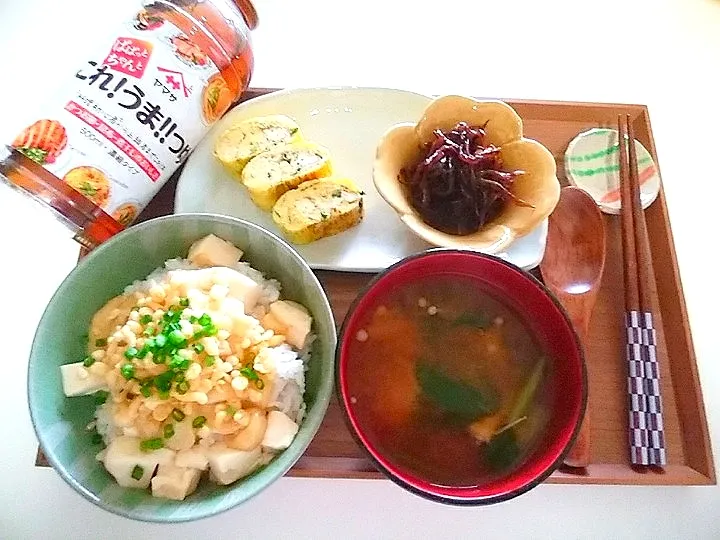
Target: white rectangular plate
x,y
349,122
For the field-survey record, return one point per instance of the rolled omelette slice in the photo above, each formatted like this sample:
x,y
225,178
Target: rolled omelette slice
x,y
318,208
269,175
244,140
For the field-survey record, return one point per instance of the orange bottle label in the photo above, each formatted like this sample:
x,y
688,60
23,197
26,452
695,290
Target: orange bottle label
x,y
130,117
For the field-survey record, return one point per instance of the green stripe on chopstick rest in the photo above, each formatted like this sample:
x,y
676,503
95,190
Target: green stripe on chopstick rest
x,y
605,169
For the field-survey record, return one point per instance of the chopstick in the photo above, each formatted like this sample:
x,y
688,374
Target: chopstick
x,y
646,433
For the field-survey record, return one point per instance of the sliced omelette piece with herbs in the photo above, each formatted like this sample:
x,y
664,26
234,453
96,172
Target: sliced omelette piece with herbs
x,y
246,139
317,209
274,172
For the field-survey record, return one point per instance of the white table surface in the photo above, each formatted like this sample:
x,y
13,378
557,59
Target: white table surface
x,y
550,49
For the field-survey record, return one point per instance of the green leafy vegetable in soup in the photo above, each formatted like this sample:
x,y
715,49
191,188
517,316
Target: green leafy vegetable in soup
x,y
477,319
501,451
453,396
465,385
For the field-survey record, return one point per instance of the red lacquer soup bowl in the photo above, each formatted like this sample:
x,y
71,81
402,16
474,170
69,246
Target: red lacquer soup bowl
x,y
565,381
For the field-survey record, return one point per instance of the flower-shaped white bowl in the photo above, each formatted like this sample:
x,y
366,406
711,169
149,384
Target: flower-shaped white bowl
x,y
403,145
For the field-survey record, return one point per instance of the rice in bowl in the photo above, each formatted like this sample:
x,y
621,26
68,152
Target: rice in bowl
x,y
199,367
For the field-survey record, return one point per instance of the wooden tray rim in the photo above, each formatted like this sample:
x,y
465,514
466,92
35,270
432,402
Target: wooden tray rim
x,y
597,473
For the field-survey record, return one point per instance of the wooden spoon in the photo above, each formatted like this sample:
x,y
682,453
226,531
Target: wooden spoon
x,y
572,269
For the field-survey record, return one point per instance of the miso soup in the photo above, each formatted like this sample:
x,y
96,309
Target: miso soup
x,y
449,382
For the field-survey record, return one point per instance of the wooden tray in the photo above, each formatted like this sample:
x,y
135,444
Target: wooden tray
x,y
333,452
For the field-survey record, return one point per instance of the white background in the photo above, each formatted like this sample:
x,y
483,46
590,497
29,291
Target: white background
x,y
551,49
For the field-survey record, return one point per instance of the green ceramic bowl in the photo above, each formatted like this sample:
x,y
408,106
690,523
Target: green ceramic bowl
x,y
60,422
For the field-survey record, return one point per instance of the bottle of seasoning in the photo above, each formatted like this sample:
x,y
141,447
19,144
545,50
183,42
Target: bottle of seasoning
x,y
132,114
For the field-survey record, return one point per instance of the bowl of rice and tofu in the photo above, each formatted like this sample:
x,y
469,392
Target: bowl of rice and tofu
x,y
192,374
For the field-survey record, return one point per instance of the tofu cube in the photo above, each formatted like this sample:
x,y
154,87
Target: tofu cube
x,y
233,307
175,483
77,380
228,465
124,454
241,287
280,432
241,323
214,251
294,318
183,437
193,458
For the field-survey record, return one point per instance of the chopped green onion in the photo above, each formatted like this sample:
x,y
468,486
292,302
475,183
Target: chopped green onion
x,y
249,373
145,319
101,396
146,387
205,320
199,421
102,342
210,361
151,444
96,438
130,353
210,330
178,415
89,361
230,410
184,302
149,331
198,347
127,371
137,472
175,362
182,387
171,327
160,341
193,319
176,338
168,431
159,359
163,394
179,363
163,381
